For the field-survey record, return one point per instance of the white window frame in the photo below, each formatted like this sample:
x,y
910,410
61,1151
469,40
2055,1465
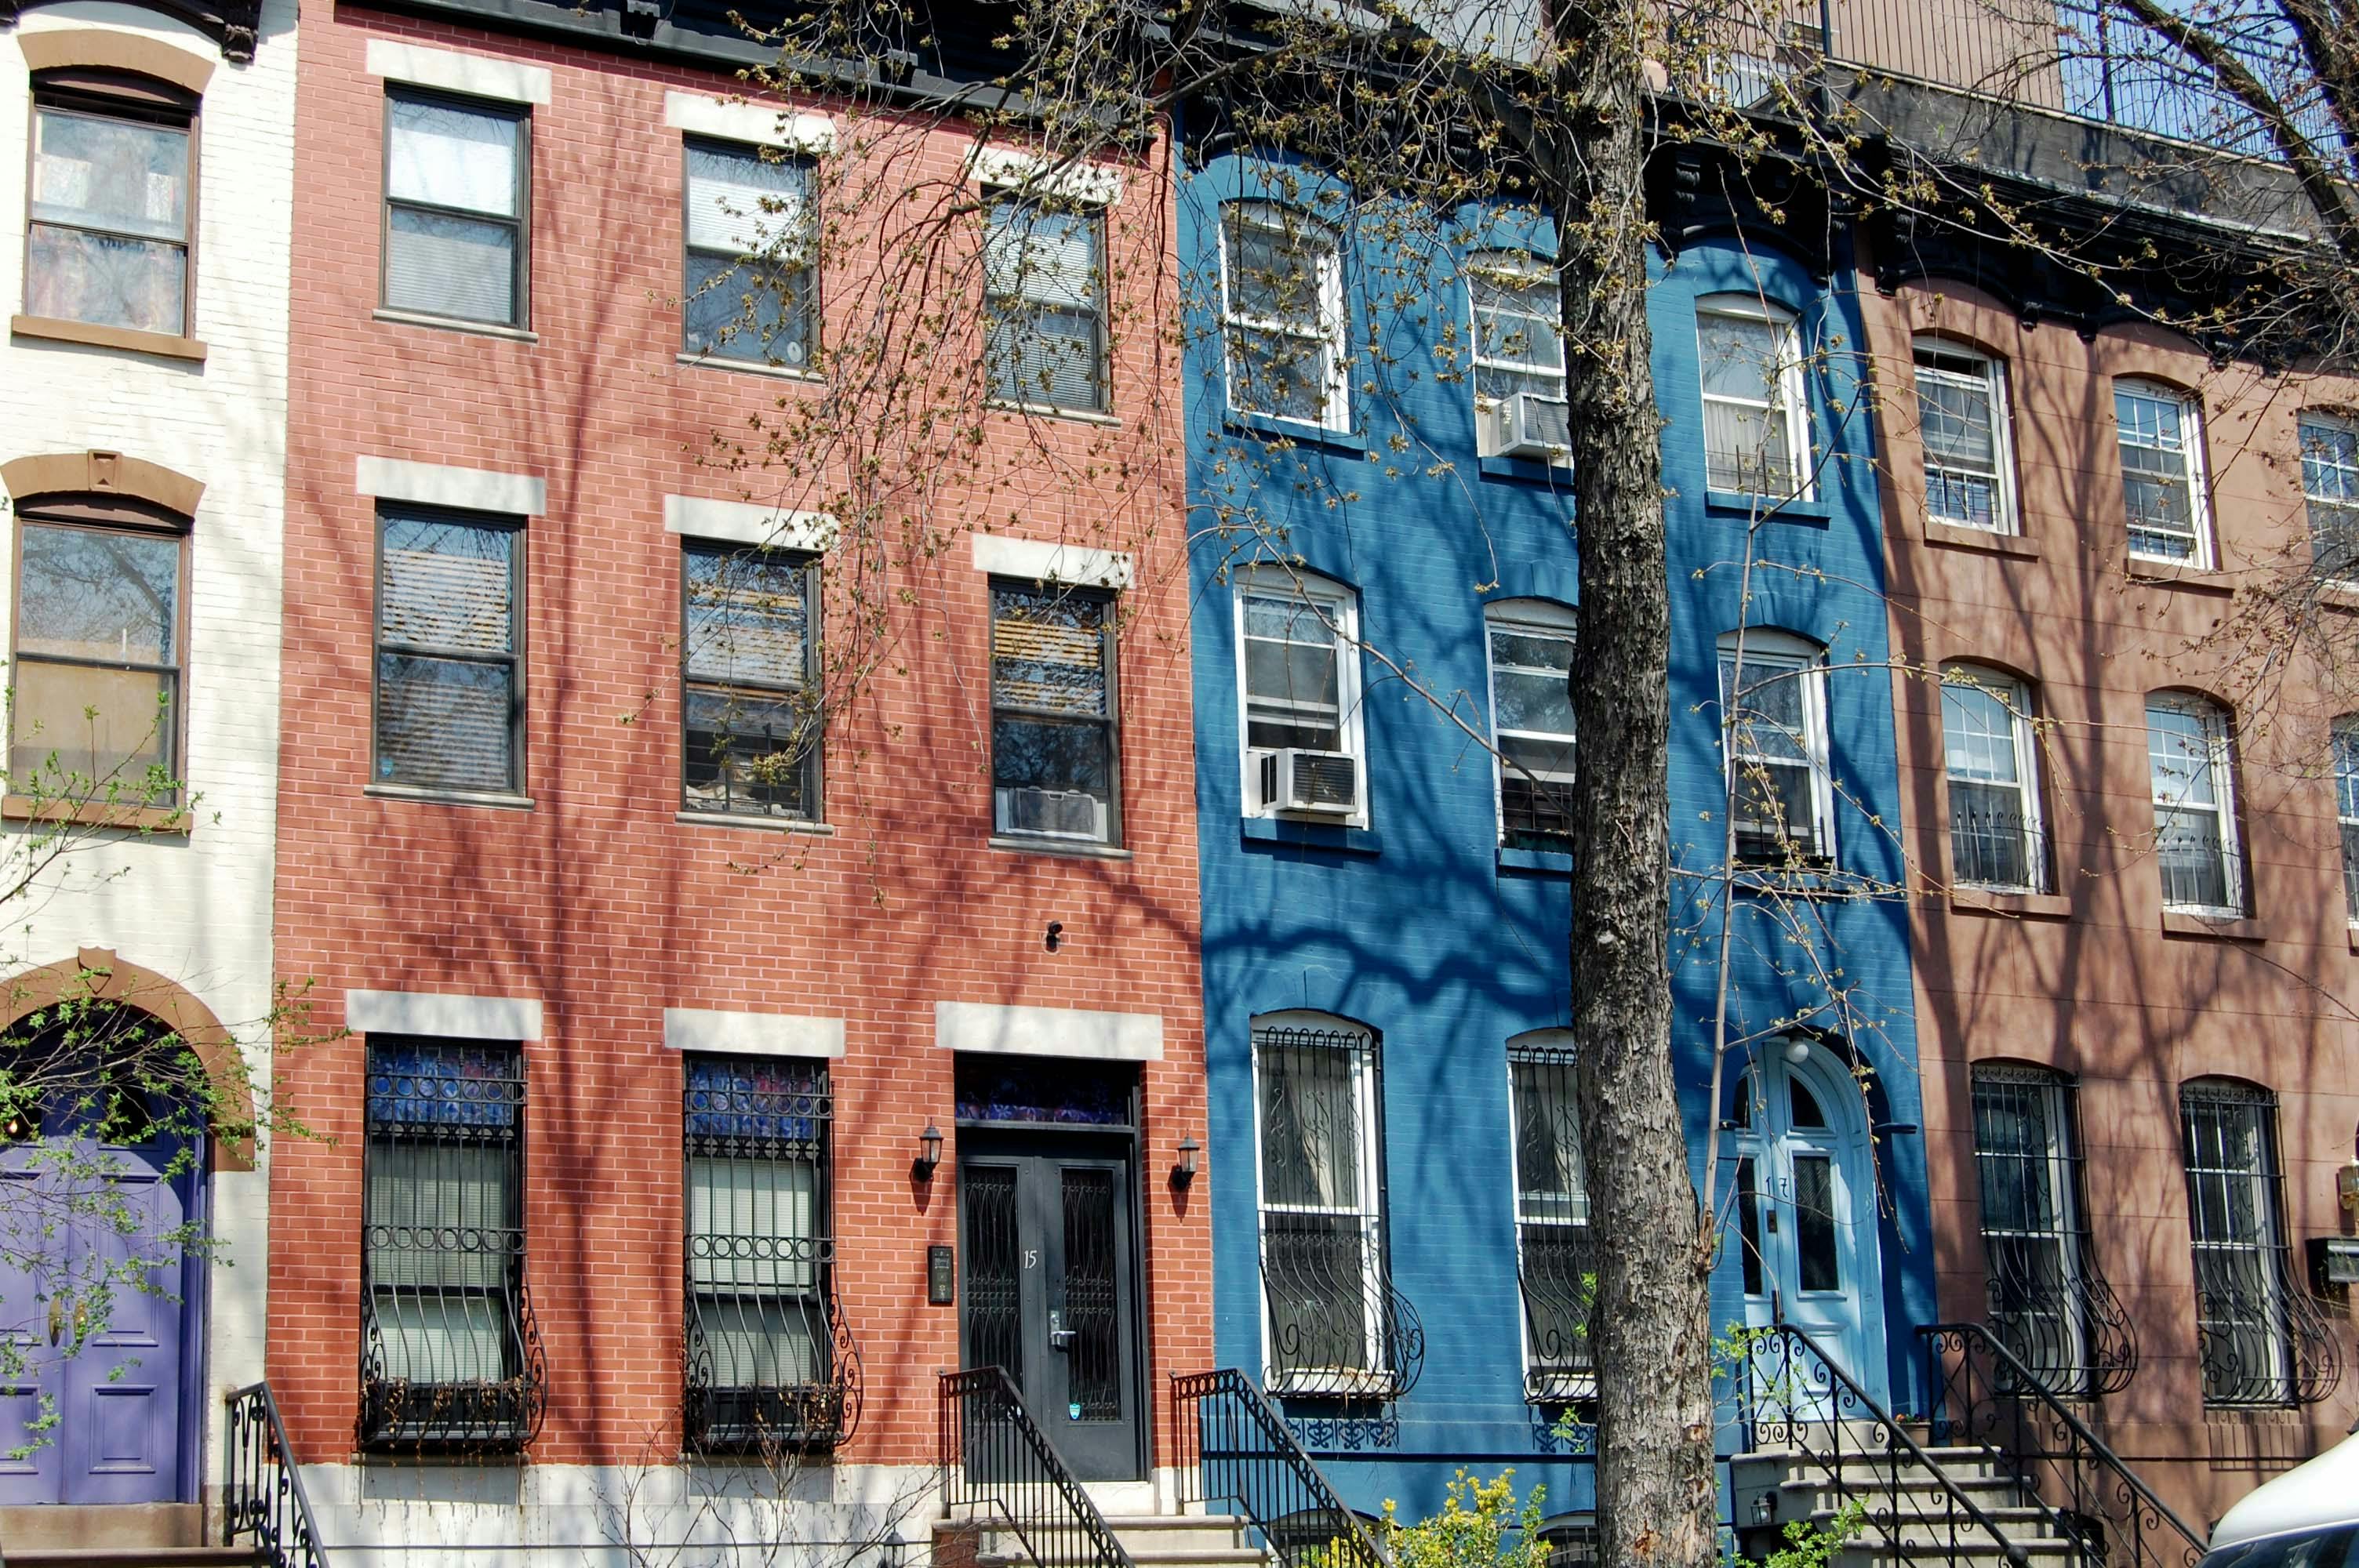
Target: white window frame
x,y
2347,498
2344,748
1366,1103
1767,648
1335,413
2201,555
1520,270
2221,768
2015,695
1529,617
1339,607
1792,401
1991,384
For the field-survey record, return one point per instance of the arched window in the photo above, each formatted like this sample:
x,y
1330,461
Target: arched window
x,y
2048,1302
1756,433
1961,418
1518,316
106,233
2190,761
100,619
1531,645
1775,708
1997,839
2236,1222
1555,1260
1282,312
1298,678
2160,432
1333,1322
2330,489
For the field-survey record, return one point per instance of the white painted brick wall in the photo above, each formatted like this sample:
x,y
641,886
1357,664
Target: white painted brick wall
x,y
200,911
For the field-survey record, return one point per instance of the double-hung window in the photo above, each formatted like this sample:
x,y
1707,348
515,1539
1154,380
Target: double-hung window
x,y
2244,1305
1756,429
1283,316
449,641
763,1330
106,238
2043,1291
1531,721
750,288
1044,305
1330,1325
445,1330
1780,780
2160,430
1997,839
1299,677
2195,842
1519,399
749,701
1961,418
2346,807
2329,488
458,184
1055,766
96,710
1555,1261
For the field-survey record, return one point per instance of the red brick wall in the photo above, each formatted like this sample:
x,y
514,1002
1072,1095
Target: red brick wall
x,y
596,900
2090,983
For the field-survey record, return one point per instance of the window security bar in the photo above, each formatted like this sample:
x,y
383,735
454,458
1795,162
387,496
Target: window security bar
x,y
1559,1279
1995,844
771,1361
2262,1342
451,1355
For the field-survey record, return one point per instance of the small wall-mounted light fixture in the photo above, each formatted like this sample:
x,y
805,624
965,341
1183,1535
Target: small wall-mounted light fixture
x,y
1183,1175
1056,936
921,1169
1798,1049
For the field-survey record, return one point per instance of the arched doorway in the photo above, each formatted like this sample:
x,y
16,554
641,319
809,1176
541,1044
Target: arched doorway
x,y
102,1160
1806,1204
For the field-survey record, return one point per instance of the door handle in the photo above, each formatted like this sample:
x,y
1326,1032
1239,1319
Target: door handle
x,y
1060,1337
81,1319
56,1319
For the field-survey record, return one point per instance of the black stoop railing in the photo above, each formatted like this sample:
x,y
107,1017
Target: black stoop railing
x,y
1796,1398
1232,1446
1985,1396
263,1499
999,1468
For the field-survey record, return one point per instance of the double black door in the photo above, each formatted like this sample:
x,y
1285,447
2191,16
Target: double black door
x,y
1050,1286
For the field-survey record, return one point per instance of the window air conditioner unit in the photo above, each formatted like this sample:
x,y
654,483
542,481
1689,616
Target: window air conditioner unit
x,y
1053,813
1530,426
1327,782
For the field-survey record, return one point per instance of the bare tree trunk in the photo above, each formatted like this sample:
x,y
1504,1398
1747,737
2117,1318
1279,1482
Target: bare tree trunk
x,y
1655,1497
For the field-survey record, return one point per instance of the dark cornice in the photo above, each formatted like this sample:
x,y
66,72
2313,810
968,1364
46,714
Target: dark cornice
x,y
230,24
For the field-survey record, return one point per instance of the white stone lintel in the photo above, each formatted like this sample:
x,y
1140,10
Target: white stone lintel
x,y
472,75
433,484
743,523
437,1013
1010,169
741,120
1048,1032
1037,560
751,1033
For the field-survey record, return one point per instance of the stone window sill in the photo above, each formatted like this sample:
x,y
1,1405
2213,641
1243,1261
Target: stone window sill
x,y
449,796
750,367
1301,432
1051,411
163,345
152,819
735,819
1539,862
2173,574
1950,537
1308,834
2022,905
2216,927
456,324
1770,508
1079,851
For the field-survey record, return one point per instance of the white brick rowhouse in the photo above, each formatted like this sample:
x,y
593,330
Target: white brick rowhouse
x,y
193,907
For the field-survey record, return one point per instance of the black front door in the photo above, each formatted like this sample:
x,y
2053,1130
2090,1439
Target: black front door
x,y
1049,1291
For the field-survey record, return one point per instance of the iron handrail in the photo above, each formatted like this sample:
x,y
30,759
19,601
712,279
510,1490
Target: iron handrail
x,y
263,1495
1263,1480
1889,1521
993,1455
2027,1382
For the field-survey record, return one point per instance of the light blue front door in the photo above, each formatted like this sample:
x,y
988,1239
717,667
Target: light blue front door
x,y
1806,1210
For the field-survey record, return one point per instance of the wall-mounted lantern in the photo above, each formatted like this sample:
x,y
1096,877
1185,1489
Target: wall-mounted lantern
x,y
930,1142
1183,1175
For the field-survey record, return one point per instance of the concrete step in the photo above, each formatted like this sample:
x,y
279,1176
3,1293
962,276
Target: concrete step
x,y
132,1557
47,1525
1802,1498
1181,1532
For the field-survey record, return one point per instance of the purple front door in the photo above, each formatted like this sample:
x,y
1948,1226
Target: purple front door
x,y
117,1431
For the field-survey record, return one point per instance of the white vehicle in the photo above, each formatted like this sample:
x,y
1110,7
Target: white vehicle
x,y
2307,1517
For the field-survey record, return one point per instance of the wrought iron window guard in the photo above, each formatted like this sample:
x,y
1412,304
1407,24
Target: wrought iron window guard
x,y
2073,1335
451,1355
1339,1328
1558,1277
1232,1446
770,1360
2229,1322
1999,847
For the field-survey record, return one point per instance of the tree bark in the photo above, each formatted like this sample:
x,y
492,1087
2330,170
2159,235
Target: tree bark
x,y
1656,1496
